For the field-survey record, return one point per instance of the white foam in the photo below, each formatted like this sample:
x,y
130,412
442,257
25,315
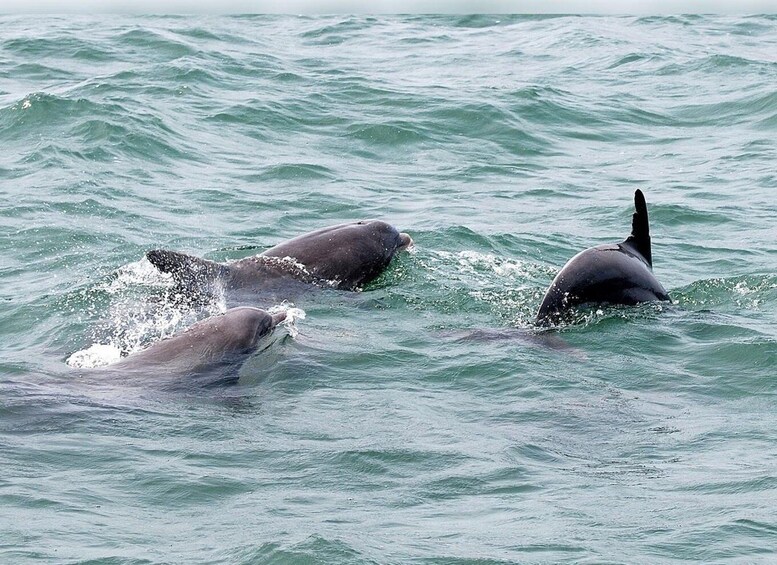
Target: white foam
x,y
291,265
478,264
500,266
292,315
97,355
743,288
142,310
287,262
139,273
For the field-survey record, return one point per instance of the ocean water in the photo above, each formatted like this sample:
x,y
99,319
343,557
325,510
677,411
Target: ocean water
x,y
421,420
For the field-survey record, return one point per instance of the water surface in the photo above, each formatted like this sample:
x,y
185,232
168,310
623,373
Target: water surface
x,y
504,145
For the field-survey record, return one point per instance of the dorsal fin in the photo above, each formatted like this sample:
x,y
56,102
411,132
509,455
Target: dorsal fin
x,y
640,228
187,270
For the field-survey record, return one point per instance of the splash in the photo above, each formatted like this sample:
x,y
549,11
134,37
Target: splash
x,y
486,270
501,267
299,271
292,315
140,273
288,264
97,355
144,308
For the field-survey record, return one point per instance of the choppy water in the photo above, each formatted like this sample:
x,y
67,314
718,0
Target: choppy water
x,y
504,145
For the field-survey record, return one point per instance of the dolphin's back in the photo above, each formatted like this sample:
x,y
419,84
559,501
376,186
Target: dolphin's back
x,y
347,255
606,274
620,273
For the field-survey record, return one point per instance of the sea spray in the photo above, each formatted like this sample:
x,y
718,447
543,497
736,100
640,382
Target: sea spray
x,y
292,315
96,355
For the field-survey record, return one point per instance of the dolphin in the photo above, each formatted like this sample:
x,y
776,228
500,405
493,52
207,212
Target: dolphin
x,y
221,341
345,257
619,273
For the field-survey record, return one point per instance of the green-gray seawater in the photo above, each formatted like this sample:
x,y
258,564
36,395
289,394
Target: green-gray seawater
x,y
412,422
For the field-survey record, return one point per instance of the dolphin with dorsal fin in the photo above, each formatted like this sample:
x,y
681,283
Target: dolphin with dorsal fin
x,y
620,273
345,257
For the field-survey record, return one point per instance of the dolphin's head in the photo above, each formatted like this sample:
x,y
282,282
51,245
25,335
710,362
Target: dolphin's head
x,y
248,325
266,322
382,234
374,243
347,255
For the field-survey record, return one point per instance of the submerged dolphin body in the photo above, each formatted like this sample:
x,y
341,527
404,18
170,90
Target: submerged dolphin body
x,y
619,273
344,256
220,342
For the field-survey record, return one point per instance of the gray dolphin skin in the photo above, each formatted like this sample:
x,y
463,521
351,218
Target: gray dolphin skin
x,y
344,257
217,342
620,273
